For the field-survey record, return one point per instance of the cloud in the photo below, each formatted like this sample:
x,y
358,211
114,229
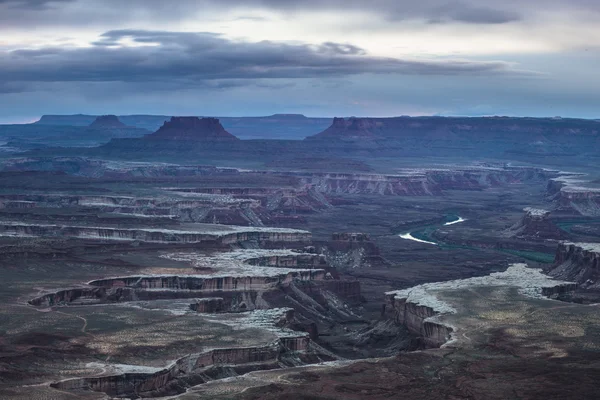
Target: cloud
x,y
190,59
462,12
23,13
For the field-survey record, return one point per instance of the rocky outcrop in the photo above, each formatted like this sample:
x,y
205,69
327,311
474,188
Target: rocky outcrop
x,y
438,135
299,260
423,182
415,318
352,128
107,122
573,194
352,250
190,370
192,129
133,381
197,282
536,224
211,235
345,289
89,295
421,308
208,305
578,262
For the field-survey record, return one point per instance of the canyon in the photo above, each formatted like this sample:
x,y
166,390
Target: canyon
x,y
195,258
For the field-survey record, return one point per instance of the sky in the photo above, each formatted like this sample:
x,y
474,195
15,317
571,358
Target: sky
x,y
315,57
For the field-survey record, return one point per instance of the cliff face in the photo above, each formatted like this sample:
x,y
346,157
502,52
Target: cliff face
x,y
536,223
578,262
414,317
425,312
449,127
107,121
352,250
464,136
208,237
190,370
353,128
192,129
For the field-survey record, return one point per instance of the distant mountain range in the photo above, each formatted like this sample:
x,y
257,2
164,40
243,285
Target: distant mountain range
x,y
299,142
277,126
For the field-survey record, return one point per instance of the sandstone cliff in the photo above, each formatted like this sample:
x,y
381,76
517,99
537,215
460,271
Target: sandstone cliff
x,y
107,121
192,129
578,262
536,224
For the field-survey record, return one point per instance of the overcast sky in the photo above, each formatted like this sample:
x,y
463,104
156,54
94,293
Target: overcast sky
x,y
316,57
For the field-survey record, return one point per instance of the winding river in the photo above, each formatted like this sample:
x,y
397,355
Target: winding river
x,y
409,235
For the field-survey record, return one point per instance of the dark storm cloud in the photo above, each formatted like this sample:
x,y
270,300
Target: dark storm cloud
x,y
31,4
183,58
472,14
431,10
20,13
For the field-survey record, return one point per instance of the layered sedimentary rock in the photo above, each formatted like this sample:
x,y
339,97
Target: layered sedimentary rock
x,y
353,128
579,262
297,260
87,295
422,307
352,250
487,135
107,121
296,126
209,234
239,278
192,129
536,224
208,305
193,369
197,282
416,318
424,182
574,194
92,167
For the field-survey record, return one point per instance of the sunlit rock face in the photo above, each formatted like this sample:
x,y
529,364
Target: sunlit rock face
x,y
579,262
192,129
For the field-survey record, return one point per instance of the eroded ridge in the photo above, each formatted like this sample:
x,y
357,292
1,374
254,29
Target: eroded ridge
x,y
242,289
579,262
422,307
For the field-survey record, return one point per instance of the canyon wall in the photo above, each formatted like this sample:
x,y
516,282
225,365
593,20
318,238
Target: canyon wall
x,y
415,318
578,262
213,235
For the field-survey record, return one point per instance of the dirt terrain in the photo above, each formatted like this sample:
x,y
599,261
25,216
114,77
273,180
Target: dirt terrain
x,y
160,279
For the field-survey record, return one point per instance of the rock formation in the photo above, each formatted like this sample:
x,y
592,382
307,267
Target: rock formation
x,y
419,308
209,235
132,381
353,128
107,121
579,262
536,224
192,129
352,250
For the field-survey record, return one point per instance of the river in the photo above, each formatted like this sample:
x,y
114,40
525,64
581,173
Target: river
x,y
409,236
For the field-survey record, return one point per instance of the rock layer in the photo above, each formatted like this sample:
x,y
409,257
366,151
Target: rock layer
x,y
192,129
579,262
107,121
